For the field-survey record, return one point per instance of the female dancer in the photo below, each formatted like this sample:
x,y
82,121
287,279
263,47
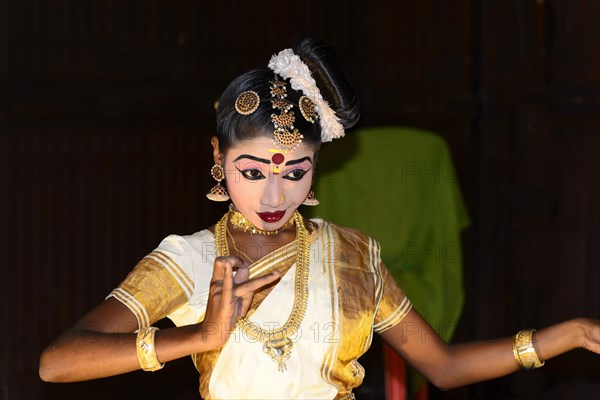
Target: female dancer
x,y
267,303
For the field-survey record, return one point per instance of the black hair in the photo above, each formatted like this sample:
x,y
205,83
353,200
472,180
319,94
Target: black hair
x,y
233,127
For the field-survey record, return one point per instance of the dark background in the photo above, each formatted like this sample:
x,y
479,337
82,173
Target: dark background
x,y
106,109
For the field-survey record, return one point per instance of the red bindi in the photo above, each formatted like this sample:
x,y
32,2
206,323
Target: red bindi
x,y
277,158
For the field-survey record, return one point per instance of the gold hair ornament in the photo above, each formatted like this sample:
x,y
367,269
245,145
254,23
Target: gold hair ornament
x,y
247,102
285,137
307,108
289,66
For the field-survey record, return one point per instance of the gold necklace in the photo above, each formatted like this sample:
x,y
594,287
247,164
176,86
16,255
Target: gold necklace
x,y
241,253
240,222
276,342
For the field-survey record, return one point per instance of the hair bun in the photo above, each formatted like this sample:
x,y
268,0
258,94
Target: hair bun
x,y
335,89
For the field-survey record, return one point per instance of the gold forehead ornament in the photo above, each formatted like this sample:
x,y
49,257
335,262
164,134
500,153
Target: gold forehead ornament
x,y
285,137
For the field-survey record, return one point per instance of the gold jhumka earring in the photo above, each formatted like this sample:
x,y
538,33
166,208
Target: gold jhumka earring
x,y
218,192
311,199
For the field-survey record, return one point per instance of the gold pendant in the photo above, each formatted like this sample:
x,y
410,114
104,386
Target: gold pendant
x,y
279,350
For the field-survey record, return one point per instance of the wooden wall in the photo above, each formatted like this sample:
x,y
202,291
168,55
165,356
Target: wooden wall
x,y
106,108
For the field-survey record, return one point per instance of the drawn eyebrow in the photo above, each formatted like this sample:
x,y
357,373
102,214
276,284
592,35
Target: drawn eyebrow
x,y
298,161
262,160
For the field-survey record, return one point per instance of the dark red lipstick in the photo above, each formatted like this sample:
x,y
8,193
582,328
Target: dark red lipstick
x,y
271,217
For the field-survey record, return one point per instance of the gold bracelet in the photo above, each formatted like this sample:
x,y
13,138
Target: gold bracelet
x,y
146,352
524,352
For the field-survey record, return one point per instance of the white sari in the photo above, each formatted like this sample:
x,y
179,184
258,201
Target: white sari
x,y
351,295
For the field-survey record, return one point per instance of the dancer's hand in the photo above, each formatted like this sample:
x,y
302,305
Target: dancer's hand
x,y
229,298
591,335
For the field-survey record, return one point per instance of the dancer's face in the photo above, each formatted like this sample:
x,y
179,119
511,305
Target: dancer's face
x,y
266,185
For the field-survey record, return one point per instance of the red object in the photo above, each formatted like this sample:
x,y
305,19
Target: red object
x,y
271,217
395,374
395,377
277,158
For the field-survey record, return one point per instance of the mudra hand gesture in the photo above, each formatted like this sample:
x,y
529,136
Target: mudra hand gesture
x,y
229,298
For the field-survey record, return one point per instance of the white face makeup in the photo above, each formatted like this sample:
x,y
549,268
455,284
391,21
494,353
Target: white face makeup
x,y
265,185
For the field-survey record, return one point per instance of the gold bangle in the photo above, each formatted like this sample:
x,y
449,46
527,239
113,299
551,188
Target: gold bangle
x,y
524,352
146,352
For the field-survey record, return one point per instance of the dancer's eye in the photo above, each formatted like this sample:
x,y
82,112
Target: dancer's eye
x,y
252,174
295,175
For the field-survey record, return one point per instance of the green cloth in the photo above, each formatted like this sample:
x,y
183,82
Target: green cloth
x,y
398,186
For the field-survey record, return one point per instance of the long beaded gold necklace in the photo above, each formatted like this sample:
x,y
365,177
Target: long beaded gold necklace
x,y
276,342
240,252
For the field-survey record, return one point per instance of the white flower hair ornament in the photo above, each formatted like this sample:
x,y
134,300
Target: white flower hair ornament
x,y
289,66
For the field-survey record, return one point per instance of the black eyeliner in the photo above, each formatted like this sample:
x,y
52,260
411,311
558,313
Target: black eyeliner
x,y
251,178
